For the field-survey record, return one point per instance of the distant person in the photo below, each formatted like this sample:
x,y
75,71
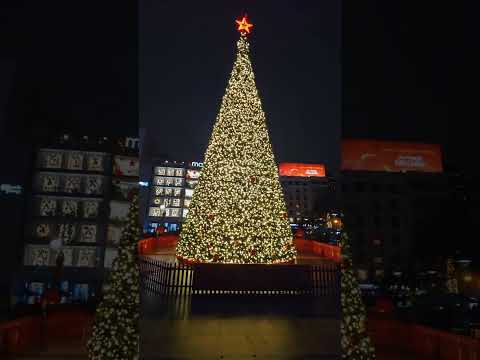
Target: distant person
x,y
160,230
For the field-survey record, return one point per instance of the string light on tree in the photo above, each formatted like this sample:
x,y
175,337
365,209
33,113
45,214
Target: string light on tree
x,y
355,342
115,333
237,212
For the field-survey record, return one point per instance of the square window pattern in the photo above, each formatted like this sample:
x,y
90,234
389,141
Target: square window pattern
x,y
72,184
48,207
75,161
159,190
67,256
66,232
88,233
177,192
174,212
69,207
52,159
50,183
178,181
159,170
86,257
158,180
169,181
155,211
93,185
176,202
95,162
90,209
43,231
170,172
168,191
179,172
37,255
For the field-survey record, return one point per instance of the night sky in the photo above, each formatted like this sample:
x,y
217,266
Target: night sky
x,y
187,56
405,72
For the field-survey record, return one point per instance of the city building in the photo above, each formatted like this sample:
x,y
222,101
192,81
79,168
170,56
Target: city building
x,y
397,202
78,204
308,192
169,193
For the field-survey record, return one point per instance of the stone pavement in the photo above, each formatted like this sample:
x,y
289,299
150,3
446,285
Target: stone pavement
x,y
239,327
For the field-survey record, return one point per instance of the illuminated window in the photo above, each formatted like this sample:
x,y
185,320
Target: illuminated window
x,y
157,201
178,181
188,193
170,172
168,191
177,192
160,170
155,212
158,190
176,202
179,172
166,202
169,181
159,180
175,212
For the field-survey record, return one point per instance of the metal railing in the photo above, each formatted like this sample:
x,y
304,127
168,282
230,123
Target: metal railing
x,y
168,278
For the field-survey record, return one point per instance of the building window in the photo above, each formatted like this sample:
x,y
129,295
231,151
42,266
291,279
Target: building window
x,y
360,220
393,188
359,187
395,221
394,204
395,240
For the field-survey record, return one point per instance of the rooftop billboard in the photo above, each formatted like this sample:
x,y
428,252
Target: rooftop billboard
x,y
302,170
372,155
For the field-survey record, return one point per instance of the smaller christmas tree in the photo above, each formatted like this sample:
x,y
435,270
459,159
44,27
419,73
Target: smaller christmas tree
x,y
355,342
116,332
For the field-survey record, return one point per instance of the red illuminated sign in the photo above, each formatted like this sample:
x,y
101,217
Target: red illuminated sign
x,y
370,155
302,170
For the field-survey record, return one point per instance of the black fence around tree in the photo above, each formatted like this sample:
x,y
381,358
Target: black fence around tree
x,y
169,278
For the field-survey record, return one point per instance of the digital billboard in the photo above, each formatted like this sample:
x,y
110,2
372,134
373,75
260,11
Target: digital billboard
x,y
372,155
302,170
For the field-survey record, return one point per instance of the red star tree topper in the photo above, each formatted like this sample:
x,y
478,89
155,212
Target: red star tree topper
x,y
243,25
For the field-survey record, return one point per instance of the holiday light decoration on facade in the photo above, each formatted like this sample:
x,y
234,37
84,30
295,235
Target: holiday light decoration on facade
x,y
238,212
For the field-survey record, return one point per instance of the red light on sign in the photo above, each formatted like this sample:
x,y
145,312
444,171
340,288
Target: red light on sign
x,y
302,170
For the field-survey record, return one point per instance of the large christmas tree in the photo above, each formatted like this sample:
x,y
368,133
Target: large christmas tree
x,y
356,344
116,333
238,212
